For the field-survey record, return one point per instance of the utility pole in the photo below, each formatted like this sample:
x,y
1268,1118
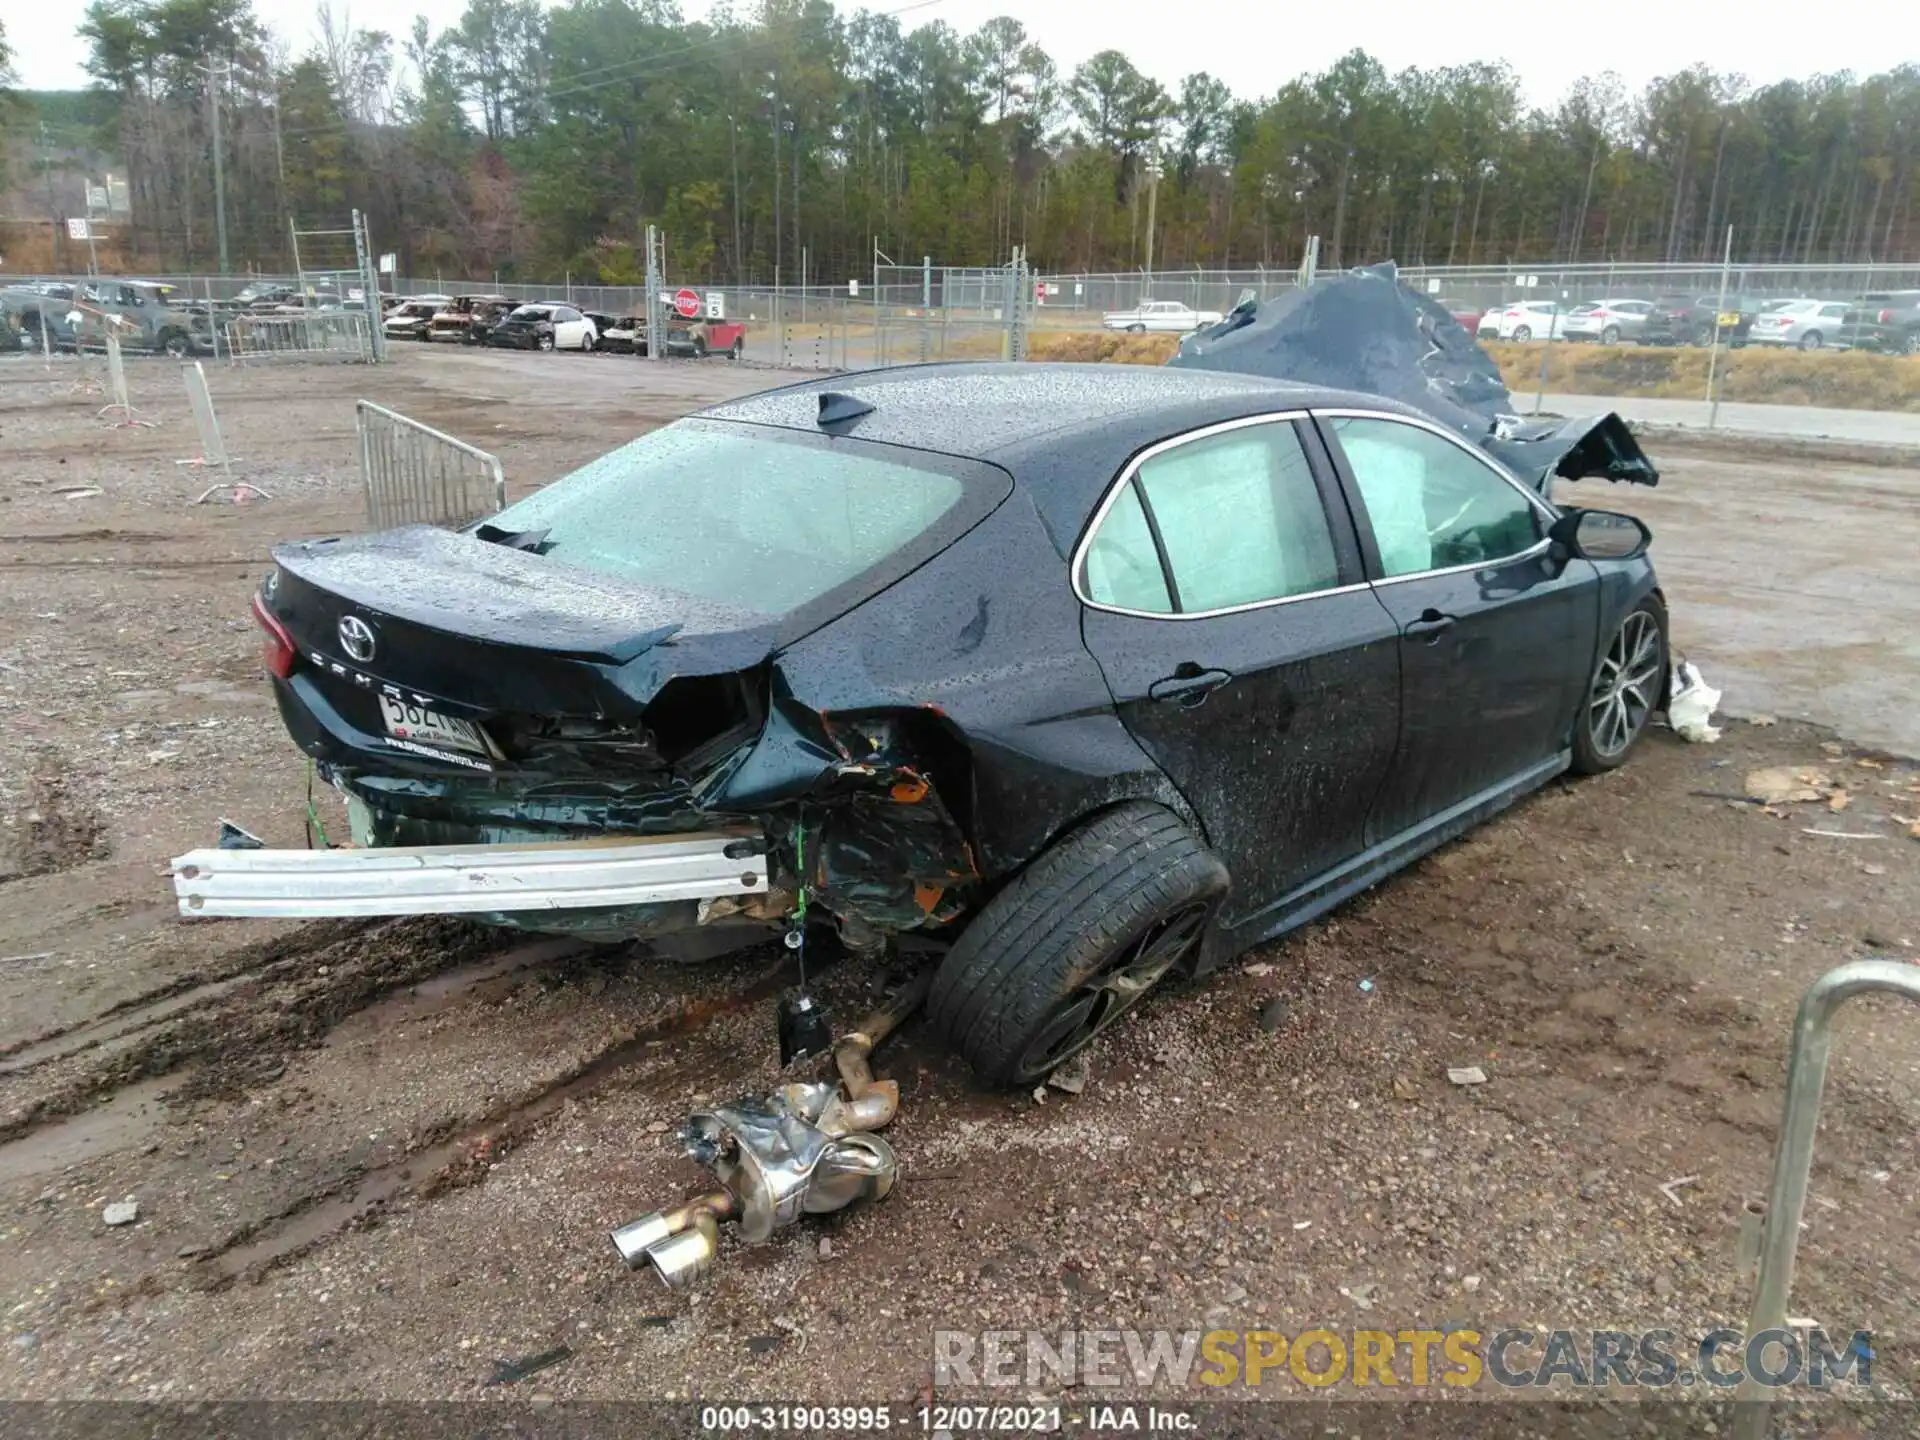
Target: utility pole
x,y
53,220
211,71
733,148
1153,202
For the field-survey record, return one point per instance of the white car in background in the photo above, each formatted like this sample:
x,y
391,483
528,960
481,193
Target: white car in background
x,y
1809,324
1525,320
1608,321
1170,316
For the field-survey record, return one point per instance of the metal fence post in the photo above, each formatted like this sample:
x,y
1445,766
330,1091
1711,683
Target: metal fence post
x,y
1713,356
1793,1152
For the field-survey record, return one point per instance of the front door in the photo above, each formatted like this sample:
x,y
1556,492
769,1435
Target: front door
x,y
1497,632
1243,649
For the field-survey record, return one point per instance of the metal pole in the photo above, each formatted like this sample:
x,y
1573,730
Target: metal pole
x,y
926,282
1793,1151
1153,203
1713,357
219,163
1546,351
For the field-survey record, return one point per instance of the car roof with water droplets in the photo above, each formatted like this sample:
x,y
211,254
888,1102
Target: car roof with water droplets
x,y
1063,431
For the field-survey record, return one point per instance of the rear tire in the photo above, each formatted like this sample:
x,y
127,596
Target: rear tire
x,y
739,347
1812,340
1610,335
1626,688
1070,945
1136,329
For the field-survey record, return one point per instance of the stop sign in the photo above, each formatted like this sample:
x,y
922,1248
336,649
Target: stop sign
x,y
686,303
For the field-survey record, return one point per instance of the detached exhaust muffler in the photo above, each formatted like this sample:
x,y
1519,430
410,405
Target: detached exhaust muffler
x,y
806,1149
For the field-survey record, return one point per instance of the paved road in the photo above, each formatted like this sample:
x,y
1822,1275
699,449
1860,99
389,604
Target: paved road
x,y
1805,422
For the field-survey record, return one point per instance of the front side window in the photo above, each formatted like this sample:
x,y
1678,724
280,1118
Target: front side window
x,y
1238,516
752,518
1432,503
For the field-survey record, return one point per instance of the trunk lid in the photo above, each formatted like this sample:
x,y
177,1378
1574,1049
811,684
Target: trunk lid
x,y
480,630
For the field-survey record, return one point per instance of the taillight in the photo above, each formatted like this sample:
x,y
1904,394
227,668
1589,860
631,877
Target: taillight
x,y
277,651
1885,316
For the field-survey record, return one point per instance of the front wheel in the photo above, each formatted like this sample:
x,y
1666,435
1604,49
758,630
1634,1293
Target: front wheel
x,y
545,342
1523,333
587,342
1136,329
739,347
1625,690
1074,941
175,345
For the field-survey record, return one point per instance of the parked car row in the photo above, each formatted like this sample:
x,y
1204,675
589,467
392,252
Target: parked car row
x,y
1887,321
543,325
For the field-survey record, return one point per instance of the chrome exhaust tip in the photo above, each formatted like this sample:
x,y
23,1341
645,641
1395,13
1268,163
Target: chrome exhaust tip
x,y
632,1239
680,1260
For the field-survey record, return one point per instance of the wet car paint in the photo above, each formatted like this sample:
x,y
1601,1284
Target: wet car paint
x,y
933,737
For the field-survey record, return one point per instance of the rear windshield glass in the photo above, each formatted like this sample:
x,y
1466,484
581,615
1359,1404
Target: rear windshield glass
x,y
758,518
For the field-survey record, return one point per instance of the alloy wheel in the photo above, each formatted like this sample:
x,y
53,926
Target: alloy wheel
x,y
1625,687
1113,988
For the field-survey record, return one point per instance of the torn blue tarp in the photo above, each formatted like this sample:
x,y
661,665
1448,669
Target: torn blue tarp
x,y
1364,330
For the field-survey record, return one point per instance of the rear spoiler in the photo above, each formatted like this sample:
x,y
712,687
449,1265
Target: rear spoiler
x,y
1574,449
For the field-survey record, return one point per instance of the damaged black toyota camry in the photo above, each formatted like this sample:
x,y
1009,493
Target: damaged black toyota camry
x,y
1092,674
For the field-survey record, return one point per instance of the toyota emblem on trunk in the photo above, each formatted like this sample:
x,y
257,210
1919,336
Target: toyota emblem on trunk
x,y
356,638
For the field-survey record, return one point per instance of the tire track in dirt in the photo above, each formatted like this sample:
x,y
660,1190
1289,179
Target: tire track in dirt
x,y
259,955
453,1160
237,1032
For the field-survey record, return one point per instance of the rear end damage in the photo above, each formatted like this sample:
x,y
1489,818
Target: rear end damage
x,y
488,775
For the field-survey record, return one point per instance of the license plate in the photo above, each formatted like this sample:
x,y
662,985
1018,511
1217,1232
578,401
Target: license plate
x,y
1729,319
429,727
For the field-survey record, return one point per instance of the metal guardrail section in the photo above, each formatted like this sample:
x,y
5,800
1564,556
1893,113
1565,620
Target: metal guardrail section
x,y
331,334
466,879
1793,1151
415,475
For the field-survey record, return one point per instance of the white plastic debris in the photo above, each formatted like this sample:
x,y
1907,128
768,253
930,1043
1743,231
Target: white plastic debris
x,y
1466,1075
121,1212
1690,704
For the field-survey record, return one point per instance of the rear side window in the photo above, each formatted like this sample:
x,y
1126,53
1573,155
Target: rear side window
x,y
1122,564
1431,503
1238,517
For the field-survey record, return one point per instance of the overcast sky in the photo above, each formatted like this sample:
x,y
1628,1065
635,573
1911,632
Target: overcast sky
x,y
1256,45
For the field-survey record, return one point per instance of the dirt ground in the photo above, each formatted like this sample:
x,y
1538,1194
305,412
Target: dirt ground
x,y
378,1159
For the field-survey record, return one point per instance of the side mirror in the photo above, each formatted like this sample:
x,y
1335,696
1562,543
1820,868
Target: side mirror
x,y
1601,535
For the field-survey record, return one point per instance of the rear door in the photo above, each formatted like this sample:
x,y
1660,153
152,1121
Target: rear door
x,y
569,328
1497,633
1224,600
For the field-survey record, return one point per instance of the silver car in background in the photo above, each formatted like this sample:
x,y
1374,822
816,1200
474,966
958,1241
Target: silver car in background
x,y
1608,321
1808,324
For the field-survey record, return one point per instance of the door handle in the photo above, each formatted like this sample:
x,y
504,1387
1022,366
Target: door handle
x,y
1189,686
1431,625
